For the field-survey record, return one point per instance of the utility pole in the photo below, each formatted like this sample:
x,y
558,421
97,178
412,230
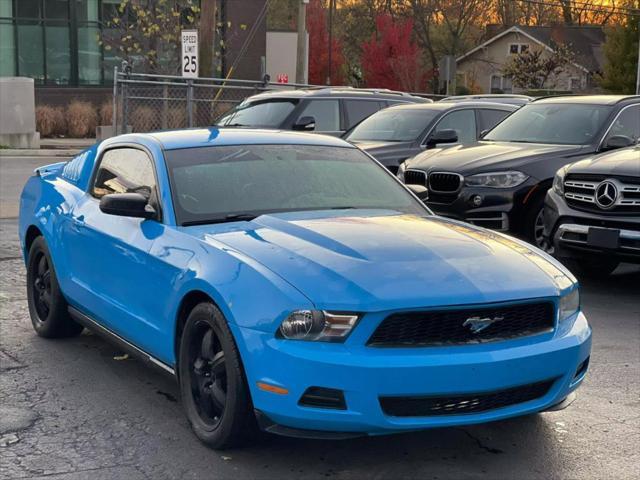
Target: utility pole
x,y
638,71
206,34
330,41
301,55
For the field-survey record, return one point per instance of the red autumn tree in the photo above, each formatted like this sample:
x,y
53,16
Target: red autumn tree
x,y
391,59
319,47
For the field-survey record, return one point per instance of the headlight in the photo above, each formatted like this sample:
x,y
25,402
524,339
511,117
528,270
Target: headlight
x,y
496,179
558,181
317,325
569,304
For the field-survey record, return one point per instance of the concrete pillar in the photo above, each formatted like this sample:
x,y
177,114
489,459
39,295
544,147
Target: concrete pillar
x,y
18,113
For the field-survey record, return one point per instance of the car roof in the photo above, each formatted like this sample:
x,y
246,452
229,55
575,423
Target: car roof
x,y
443,106
495,96
350,92
588,99
221,136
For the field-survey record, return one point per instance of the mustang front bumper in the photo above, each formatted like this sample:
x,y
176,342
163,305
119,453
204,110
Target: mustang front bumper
x,y
365,374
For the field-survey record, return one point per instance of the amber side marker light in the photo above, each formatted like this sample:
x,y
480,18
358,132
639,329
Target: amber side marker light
x,y
272,388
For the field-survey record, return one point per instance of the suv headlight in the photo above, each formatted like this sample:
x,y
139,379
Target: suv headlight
x,y
558,180
569,304
317,325
497,179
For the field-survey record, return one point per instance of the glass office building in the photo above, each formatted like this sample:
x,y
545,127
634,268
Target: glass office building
x,y
56,42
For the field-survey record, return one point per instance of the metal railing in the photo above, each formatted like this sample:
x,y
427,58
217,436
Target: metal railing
x,y
146,102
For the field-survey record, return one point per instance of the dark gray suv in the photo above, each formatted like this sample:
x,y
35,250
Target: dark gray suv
x,y
328,110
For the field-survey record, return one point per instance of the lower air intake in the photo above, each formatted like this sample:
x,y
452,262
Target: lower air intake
x,y
319,397
463,404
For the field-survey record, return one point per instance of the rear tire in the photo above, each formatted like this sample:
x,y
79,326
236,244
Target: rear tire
x,y
47,305
213,386
591,266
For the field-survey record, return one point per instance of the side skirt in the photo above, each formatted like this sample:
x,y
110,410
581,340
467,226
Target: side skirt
x,y
112,337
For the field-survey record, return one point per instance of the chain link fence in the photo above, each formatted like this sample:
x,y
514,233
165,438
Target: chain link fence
x,y
148,102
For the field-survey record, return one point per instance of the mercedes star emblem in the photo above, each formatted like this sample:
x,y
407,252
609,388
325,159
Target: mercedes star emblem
x,y
606,194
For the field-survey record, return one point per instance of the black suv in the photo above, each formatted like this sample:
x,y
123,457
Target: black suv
x,y
328,110
592,213
501,181
402,131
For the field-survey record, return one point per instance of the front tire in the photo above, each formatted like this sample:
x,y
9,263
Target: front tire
x,y
213,386
47,305
534,226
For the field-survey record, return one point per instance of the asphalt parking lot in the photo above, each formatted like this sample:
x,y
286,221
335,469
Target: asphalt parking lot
x,y
75,409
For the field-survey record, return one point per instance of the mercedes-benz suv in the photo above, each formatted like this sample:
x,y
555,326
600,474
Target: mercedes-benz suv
x,y
592,213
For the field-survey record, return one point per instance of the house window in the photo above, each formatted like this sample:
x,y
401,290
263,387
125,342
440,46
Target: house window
x,y
575,84
516,48
500,84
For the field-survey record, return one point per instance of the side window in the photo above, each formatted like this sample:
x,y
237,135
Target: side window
x,y
490,118
627,124
463,122
358,110
125,170
326,114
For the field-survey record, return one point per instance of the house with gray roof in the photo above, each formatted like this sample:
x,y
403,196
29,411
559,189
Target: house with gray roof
x,y
480,69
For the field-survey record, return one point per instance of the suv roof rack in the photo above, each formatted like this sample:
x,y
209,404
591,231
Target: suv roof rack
x,y
621,99
334,88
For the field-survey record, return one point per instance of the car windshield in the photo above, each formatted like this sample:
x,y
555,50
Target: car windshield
x,y
214,184
393,125
269,113
567,124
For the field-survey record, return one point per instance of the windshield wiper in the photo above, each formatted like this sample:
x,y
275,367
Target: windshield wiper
x,y
235,125
233,217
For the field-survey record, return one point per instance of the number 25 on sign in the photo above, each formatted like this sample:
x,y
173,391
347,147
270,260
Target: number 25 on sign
x,y
189,57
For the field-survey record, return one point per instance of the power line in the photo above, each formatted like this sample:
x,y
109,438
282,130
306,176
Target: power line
x,y
587,7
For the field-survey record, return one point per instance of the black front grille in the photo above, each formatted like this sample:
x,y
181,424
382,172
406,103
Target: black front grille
x,y
465,403
456,326
444,182
415,177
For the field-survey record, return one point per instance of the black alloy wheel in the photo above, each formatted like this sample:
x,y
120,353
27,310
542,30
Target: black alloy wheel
x,y
208,374
213,386
41,286
47,305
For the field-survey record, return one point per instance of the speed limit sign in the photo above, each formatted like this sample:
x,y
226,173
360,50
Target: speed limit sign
x,y
189,60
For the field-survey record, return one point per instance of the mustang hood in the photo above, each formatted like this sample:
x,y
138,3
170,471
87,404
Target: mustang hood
x,y
379,260
485,156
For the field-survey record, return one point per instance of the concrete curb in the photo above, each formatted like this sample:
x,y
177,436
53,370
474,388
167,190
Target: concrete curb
x,y
57,152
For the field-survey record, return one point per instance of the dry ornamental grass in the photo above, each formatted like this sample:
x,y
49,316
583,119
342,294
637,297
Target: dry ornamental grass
x,y
82,119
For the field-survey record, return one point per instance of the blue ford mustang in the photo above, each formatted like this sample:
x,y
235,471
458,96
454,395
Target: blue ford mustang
x,y
291,283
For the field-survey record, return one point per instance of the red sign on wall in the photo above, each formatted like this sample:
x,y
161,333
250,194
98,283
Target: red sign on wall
x,y
282,78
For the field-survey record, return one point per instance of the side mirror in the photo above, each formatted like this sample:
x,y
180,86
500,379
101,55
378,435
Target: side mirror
x,y
442,136
127,205
617,141
419,191
305,124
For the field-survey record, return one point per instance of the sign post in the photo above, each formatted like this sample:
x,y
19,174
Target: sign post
x,y
189,58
